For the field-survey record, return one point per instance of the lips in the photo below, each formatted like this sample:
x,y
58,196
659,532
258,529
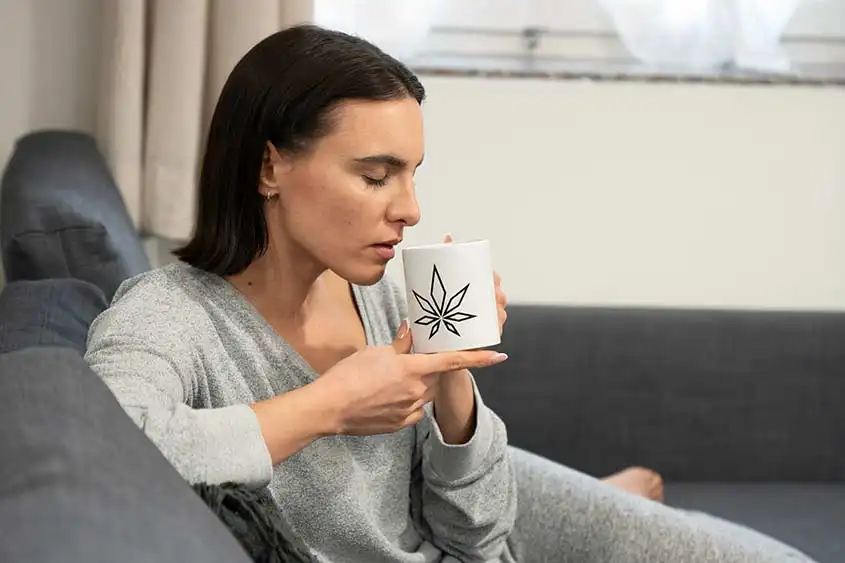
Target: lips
x,y
385,250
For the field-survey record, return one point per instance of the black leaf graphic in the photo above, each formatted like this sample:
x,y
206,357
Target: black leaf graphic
x,y
434,328
456,300
425,320
425,305
438,291
458,317
438,310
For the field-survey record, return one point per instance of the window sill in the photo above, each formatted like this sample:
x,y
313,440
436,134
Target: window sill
x,y
821,75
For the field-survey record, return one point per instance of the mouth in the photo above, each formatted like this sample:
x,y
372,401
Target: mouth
x,y
386,250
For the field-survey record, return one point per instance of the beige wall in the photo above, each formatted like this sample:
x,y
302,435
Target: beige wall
x,y
625,193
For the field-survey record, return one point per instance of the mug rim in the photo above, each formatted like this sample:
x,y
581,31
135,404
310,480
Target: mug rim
x,y
438,245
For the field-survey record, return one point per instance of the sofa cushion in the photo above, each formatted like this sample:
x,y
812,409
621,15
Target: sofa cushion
x,y
80,483
63,216
55,312
695,394
807,516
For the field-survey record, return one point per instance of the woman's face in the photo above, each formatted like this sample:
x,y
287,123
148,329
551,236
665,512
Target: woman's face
x,y
347,200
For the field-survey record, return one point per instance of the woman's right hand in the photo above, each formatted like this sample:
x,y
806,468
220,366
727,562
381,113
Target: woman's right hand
x,y
382,389
377,390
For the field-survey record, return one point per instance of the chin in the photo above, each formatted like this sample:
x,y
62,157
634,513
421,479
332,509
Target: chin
x,y
368,274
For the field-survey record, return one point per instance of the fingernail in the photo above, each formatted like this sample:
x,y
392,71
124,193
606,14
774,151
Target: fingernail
x,y
403,330
499,358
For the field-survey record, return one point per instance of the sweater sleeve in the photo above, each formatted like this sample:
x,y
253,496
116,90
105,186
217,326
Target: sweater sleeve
x,y
148,363
468,491
463,497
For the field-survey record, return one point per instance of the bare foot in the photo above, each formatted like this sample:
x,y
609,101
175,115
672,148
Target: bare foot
x,y
638,480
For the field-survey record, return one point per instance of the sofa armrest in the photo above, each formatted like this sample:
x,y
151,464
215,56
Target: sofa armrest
x,y
80,482
52,312
697,395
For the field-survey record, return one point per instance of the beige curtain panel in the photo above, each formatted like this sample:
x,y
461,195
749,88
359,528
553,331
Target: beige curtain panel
x,y
163,65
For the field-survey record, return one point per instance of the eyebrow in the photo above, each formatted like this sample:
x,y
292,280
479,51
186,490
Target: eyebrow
x,y
387,159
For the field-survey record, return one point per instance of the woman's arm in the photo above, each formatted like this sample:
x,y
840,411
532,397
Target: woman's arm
x,y
463,489
454,406
291,421
468,490
236,443
205,445
154,375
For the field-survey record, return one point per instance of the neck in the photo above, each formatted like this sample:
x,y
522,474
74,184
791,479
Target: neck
x,y
285,282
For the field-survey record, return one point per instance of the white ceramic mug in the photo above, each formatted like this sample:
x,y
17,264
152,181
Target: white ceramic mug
x,y
451,296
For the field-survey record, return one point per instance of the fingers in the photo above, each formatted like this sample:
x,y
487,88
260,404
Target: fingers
x,y
402,343
418,408
501,301
425,398
503,318
453,361
415,417
447,238
501,298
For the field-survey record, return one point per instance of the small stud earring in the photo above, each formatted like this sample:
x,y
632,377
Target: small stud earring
x,y
269,195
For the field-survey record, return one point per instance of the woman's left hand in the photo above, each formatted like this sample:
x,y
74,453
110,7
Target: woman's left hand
x,y
501,298
454,401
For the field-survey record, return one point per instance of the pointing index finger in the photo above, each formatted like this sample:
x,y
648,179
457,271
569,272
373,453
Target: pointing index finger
x,y
422,364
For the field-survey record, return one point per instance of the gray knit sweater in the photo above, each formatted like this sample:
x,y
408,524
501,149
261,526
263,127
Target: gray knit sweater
x,y
185,354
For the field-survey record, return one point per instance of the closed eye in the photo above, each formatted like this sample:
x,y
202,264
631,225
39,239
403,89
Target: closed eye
x,y
376,182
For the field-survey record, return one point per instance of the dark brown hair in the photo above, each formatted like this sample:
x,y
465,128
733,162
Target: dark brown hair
x,y
281,91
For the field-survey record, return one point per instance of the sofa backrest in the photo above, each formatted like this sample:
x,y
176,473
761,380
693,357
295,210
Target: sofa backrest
x,y
61,215
53,312
697,395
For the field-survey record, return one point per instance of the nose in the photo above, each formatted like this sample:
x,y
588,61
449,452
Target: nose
x,y
404,207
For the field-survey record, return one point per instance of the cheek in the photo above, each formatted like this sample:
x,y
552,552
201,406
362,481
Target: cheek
x,y
342,206
331,203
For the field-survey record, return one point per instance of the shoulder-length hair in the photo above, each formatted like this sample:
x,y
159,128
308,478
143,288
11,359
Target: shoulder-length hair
x,y
280,92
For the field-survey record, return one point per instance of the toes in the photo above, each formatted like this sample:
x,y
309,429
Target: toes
x,y
657,489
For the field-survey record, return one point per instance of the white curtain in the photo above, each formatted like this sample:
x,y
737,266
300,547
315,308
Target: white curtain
x,y
163,65
704,33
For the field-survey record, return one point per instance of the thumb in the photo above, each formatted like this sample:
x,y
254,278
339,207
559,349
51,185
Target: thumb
x,y
447,238
402,343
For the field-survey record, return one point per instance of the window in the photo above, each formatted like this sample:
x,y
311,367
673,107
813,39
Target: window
x,y
537,31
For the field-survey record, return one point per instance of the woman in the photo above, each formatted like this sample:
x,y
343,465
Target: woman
x,y
276,355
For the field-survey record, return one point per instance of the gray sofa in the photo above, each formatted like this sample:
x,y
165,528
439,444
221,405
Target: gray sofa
x,y
743,412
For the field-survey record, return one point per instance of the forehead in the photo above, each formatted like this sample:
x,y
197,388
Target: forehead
x,y
382,127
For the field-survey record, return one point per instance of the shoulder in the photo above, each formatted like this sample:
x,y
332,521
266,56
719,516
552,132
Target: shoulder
x,y
159,305
172,285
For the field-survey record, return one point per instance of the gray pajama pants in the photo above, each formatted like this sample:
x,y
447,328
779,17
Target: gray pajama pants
x,y
567,517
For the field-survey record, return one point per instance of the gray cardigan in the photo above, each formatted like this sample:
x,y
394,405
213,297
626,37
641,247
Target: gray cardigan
x,y
185,354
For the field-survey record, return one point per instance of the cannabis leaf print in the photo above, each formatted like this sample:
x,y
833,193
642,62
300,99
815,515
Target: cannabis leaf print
x,y
440,311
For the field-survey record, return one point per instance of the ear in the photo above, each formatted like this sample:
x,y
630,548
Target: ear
x,y
273,167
